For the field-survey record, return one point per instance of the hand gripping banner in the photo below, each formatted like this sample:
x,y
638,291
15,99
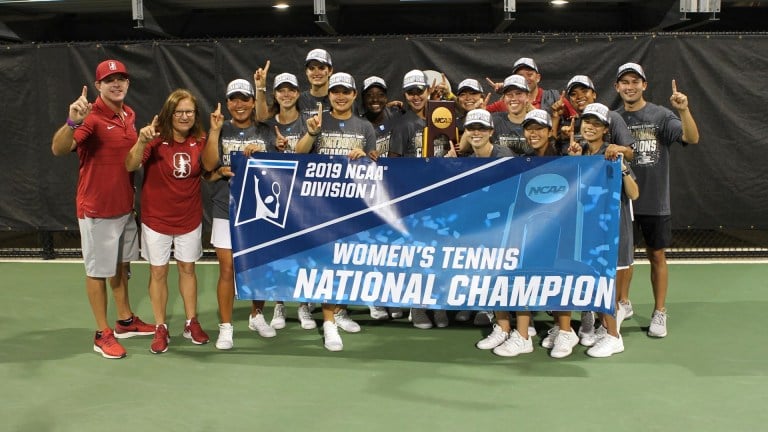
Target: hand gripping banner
x,y
520,233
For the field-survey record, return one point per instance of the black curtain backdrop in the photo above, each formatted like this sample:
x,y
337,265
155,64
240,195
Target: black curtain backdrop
x,y
719,183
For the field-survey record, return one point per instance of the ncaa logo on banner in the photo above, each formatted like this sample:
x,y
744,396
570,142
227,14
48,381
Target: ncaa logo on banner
x,y
546,188
266,191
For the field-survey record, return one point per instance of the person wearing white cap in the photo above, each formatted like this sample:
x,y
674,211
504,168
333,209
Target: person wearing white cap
x,y
539,97
581,91
408,133
239,134
656,129
338,132
318,68
508,130
469,96
102,133
478,129
607,340
503,340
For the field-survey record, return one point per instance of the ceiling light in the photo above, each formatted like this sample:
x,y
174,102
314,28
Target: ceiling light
x,y
281,6
558,2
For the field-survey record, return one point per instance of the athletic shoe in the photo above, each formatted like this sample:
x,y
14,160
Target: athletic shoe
x,y
483,318
160,341
259,324
395,313
496,338
224,341
463,316
137,327
420,319
441,318
345,322
331,337
564,344
195,333
627,308
658,327
607,346
305,317
587,326
549,340
514,346
278,317
591,339
106,345
379,312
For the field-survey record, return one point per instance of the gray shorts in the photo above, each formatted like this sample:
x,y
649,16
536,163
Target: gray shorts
x,y
107,242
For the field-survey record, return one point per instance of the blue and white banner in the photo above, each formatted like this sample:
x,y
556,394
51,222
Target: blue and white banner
x,y
467,233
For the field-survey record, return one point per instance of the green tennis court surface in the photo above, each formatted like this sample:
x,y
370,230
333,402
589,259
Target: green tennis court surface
x,y
709,374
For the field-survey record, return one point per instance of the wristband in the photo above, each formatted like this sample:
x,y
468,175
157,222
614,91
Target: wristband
x,y
625,172
313,134
72,125
264,89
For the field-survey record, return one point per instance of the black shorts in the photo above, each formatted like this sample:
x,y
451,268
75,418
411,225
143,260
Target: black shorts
x,y
655,230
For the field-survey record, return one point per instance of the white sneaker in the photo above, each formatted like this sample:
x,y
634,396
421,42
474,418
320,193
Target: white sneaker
x,y
379,312
305,317
514,346
607,346
564,344
483,318
441,318
345,322
395,313
463,316
224,341
496,338
658,327
627,308
589,340
587,326
278,317
549,341
259,324
331,338
420,319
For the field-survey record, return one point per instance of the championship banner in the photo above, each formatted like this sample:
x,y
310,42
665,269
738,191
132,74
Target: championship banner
x,y
521,233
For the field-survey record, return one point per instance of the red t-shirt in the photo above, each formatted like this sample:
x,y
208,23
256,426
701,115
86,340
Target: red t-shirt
x,y
104,187
171,201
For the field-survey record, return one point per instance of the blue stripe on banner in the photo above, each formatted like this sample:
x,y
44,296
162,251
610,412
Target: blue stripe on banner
x,y
467,233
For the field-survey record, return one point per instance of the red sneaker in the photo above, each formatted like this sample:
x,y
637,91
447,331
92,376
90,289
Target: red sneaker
x,y
194,332
136,328
106,345
160,341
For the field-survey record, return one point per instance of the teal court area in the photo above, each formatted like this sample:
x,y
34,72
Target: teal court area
x,y
709,374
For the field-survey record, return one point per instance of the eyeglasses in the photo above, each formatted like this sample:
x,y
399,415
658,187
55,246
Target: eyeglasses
x,y
178,114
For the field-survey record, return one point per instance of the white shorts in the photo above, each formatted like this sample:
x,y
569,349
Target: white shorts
x,y
220,236
156,247
105,242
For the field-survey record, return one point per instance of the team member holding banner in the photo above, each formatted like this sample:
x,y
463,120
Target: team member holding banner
x,y
594,129
226,138
102,132
537,126
170,150
338,132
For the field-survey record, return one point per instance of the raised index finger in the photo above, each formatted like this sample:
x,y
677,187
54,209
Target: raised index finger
x,y
155,122
218,109
674,86
277,132
266,66
85,92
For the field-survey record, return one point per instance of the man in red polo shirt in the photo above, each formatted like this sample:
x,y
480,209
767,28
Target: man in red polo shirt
x,y
102,133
